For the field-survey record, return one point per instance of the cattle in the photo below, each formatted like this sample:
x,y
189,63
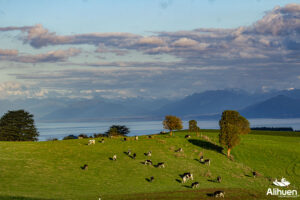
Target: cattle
x,y
125,139
160,165
195,185
219,194
149,136
91,142
202,159
102,141
219,179
187,176
187,136
148,162
134,155
114,157
207,161
179,150
136,137
85,167
148,154
151,178
254,174
129,152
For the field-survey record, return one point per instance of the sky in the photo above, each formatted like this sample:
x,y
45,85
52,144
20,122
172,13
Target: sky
x,y
149,49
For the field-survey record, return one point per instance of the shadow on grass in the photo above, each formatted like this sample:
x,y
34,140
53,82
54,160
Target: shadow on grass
x,y
206,145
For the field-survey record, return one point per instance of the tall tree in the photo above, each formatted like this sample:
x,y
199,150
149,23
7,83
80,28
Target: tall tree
x,y
232,125
172,123
18,126
115,130
193,126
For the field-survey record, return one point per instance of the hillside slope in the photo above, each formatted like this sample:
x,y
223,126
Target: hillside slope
x,y
51,170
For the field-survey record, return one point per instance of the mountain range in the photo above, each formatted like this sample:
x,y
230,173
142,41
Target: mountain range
x,y
205,105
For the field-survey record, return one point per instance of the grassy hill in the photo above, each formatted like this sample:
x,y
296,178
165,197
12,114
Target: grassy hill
x,y
51,170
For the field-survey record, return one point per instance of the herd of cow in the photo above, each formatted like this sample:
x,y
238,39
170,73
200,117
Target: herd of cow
x,y
185,177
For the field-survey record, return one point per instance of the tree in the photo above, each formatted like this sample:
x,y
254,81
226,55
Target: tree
x,y
18,126
193,126
172,123
115,130
232,125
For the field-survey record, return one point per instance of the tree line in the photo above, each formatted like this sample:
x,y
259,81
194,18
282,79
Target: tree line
x,y
19,126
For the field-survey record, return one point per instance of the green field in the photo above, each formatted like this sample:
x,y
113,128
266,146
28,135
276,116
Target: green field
x,y
52,169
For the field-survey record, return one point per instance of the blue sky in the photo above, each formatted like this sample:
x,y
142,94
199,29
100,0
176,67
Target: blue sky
x,y
120,48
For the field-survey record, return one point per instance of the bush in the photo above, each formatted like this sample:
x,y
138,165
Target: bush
x,y
83,136
116,130
70,137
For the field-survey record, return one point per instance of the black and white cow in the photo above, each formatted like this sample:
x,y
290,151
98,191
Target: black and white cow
x,y
179,150
219,194
148,162
114,157
160,165
207,161
187,176
195,185
219,179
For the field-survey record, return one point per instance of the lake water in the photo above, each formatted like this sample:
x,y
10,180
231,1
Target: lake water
x,y
59,130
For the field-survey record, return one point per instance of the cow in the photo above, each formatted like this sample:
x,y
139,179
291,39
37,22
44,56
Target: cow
x,y
134,155
149,136
85,167
202,159
115,157
151,178
219,179
219,194
125,139
129,152
207,161
148,162
160,165
254,174
148,154
179,150
187,176
102,141
136,137
195,185
91,142
187,136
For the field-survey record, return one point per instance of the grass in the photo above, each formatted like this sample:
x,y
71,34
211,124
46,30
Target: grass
x,y
52,169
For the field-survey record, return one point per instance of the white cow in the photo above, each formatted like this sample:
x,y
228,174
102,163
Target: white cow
x,y
91,142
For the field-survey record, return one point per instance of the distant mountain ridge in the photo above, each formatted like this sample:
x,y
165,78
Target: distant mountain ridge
x,y
205,105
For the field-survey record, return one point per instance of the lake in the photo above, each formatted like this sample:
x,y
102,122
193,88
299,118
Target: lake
x,y
59,130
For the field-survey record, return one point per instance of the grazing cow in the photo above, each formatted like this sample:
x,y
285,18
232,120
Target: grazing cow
x,y
207,161
136,137
85,167
91,142
115,157
187,136
202,159
125,139
148,162
254,174
102,141
219,194
219,179
129,152
195,185
134,155
149,136
179,150
148,154
187,176
160,165
151,178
